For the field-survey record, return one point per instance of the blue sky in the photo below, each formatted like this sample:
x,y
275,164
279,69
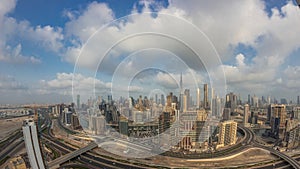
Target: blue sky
x,y
257,43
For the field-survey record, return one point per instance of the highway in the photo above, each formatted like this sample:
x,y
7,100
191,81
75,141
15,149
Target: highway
x,y
88,158
13,143
91,157
10,150
56,163
252,140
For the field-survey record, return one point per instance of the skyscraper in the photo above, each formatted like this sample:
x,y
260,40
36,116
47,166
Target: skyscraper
x,y
246,114
188,98
216,107
78,101
164,122
205,100
231,101
184,105
169,99
298,100
181,84
109,99
249,99
32,144
277,116
255,101
198,98
181,94
162,99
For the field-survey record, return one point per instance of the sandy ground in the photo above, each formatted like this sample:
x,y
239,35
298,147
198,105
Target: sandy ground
x,y
8,126
249,157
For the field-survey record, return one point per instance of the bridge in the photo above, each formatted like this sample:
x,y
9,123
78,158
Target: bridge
x,y
252,139
57,162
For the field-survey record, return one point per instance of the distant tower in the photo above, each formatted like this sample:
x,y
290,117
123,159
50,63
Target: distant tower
x,y
109,99
198,98
181,93
298,100
162,99
181,87
249,99
78,101
188,98
246,114
205,101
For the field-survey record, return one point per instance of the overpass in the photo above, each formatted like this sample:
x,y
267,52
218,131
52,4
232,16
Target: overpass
x,y
57,162
252,139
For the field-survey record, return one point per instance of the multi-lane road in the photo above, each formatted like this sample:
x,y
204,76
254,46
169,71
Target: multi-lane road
x,y
93,160
252,140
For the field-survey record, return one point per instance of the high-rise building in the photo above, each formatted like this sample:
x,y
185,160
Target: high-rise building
x,y
138,116
185,104
32,144
169,99
231,101
226,114
255,101
181,94
164,122
75,122
227,133
97,124
109,99
188,129
78,101
198,100
162,100
246,114
181,83
269,100
188,98
216,107
123,126
298,100
277,114
296,111
68,118
249,99
205,100
283,101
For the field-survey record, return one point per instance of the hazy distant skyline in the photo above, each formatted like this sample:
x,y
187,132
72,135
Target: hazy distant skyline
x,y
257,41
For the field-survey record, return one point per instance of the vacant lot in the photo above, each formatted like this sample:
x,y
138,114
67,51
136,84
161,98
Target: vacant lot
x,y
8,126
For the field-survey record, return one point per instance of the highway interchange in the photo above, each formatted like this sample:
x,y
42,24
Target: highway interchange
x,y
93,160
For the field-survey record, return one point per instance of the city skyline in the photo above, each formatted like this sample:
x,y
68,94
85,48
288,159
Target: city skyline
x,y
39,48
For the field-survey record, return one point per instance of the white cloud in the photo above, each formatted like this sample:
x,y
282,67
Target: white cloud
x,y
11,84
226,23
47,37
69,83
246,22
13,55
